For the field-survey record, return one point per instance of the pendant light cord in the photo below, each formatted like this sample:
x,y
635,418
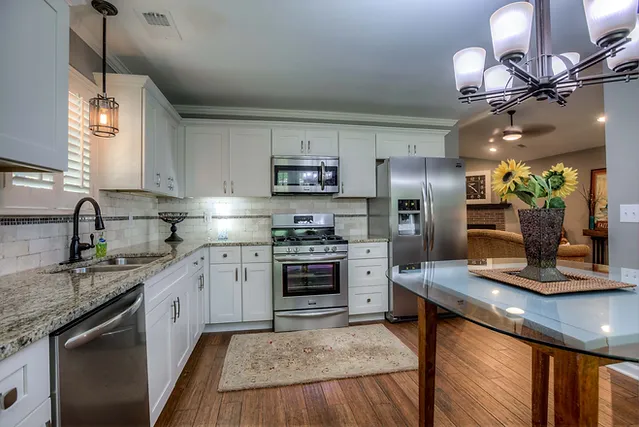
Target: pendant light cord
x,y
104,19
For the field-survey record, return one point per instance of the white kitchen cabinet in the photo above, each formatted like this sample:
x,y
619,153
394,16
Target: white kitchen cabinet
x,y
356,164
304,142
206,154
143,155
181,331
226,293
400,144
223,161
159,348
34,83
367,282
250,150
196,304
257,292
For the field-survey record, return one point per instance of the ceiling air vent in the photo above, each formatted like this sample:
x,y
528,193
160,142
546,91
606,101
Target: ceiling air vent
x,y
521,146
153,18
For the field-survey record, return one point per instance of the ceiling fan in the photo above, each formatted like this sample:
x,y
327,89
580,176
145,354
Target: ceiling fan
x,y
513,133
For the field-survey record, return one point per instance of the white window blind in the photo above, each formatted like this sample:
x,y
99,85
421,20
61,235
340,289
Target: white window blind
x,y
33,180
77,178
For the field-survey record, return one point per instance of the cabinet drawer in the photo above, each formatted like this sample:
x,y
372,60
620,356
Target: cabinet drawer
x,y
225,255
367,272
367,250
24,382
252,254
369,299
157,288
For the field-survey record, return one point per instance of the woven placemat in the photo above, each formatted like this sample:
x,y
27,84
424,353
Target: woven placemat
x,y
577,282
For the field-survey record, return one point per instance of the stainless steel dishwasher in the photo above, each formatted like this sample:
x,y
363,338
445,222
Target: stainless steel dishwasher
x,y
100,373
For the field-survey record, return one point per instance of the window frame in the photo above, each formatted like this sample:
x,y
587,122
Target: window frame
x,y
17,200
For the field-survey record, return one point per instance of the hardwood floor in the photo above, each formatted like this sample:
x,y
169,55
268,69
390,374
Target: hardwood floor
x,y
483,379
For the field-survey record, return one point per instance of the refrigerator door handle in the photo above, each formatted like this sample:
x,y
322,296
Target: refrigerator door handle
x,y
431,202
426,222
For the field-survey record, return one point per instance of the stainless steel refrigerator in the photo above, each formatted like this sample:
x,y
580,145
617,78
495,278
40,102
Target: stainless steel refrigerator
x,y
420,208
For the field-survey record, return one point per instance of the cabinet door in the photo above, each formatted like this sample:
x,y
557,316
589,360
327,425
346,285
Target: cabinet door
x,y
196,314
250,162
289,142
181,333
34,47
159,337
257,292
152,178
226,293
171,143
432,147
207,171
356,164
394,145
161,151
321,143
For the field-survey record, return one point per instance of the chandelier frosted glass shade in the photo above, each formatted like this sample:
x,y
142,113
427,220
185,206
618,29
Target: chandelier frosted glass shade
x,y
558,66
498,78
510,29
469,69
610,20
103,116
628,58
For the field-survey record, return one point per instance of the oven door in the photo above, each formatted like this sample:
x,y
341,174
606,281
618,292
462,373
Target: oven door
x,y
304,175
310,281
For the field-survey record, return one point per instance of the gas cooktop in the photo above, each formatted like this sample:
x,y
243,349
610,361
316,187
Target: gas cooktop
x,y
309,240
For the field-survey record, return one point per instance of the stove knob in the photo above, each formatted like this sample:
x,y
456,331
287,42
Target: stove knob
x,y
327,249
311,249
334,248
297,250
288,250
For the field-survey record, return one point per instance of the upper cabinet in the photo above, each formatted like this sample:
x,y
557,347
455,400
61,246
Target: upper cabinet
x,y
144,155
34,84
427,143
227,161
304,142
356,164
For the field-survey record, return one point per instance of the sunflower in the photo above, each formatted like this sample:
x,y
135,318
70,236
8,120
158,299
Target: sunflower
x,y
508,175
562,180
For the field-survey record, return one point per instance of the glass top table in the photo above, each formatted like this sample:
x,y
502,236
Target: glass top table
x,y
603,323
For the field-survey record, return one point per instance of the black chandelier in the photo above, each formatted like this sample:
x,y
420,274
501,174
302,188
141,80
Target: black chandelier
x,y
613,25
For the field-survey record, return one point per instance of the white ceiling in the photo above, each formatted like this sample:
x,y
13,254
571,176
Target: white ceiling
x,y
389,57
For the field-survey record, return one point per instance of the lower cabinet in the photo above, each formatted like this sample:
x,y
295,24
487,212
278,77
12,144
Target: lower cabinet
x,y
226,293
196,303
257,292
181,334
367,283
159,349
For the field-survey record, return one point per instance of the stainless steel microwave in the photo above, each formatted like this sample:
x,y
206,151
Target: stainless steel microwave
x,y
313,175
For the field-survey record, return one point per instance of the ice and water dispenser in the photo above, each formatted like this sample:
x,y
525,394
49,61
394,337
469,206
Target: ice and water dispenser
x,y
409,223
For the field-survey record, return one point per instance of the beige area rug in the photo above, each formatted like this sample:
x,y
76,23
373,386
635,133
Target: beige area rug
x,y
276,359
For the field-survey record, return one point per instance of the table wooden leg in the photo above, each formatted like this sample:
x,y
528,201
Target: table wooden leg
x,y
576,389
540,378
427,324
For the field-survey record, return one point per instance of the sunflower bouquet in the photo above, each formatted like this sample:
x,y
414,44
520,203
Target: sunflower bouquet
x,y
513,179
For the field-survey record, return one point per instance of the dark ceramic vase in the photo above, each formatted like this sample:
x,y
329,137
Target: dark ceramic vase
x,y
541,229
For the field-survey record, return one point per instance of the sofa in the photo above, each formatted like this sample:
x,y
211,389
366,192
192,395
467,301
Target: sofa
x,y
504,244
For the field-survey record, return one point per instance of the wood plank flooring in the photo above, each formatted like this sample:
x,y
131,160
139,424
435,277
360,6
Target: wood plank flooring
x,y
483,379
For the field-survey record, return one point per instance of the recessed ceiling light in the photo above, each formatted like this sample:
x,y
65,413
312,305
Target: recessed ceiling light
x,y
491,140
605,328
492,149
601,119
514,310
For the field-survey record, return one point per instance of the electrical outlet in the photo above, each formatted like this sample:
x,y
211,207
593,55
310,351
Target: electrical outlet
x,y
130,220
629,213
207,217
629,275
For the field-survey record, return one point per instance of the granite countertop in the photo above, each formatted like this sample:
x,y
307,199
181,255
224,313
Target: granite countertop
x,y
366,239
35,302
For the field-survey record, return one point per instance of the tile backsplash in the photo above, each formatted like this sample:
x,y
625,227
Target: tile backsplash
x,y
250,218
29,242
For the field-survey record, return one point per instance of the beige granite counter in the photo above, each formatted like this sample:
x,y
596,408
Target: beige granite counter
x,y
366,239
35,303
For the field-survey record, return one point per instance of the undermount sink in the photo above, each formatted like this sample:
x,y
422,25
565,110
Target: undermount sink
x,y
101,269
130,260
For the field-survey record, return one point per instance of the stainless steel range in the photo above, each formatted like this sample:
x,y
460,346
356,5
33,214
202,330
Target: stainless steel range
x,y
310,273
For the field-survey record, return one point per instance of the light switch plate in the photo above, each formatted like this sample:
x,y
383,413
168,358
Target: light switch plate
x,y
630,275
629,213
130,220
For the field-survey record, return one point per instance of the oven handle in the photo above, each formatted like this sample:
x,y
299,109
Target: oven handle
x,y
313,313
322,172
301,259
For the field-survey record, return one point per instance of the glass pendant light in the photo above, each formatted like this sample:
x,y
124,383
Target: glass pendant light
x,y
498,78
610,20
510,29
103,111
628,58
558,66
469,68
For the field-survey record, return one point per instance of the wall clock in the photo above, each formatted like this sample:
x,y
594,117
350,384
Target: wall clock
x,y
478,189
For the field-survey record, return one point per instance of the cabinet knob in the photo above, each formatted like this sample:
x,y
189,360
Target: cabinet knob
x,y
8,399
224,255
368,300
368,273
368,251
195,263
256,254
201,258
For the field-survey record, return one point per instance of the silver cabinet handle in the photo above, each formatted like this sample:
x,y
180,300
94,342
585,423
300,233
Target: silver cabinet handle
x,y
409,149
158,179
104,327
174,309
236,274
245,274
232,188
309,147
179,307
431,203
8,398
302,147
342,187
224,187
415,149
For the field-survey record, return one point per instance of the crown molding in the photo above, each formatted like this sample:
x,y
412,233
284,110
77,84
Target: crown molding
x,y
320,116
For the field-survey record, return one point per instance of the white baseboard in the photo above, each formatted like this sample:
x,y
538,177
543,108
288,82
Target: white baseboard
x,y
238,326
628,369
370,317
